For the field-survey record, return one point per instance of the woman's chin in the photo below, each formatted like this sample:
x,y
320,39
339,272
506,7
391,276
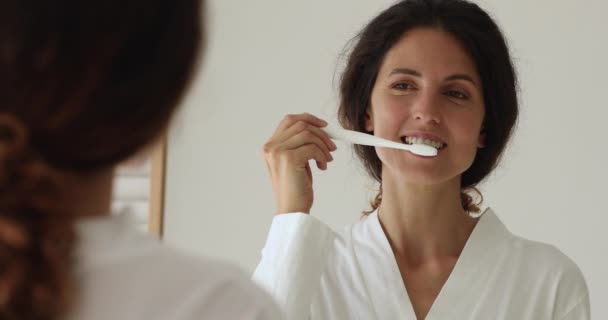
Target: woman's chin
x,y
420,174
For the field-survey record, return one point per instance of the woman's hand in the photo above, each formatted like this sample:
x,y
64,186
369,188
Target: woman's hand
x,y
297,139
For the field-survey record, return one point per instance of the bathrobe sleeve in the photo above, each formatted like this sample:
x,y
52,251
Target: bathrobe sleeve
x,y
293,261
581,311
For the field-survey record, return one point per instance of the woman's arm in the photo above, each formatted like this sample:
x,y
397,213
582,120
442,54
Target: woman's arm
x,y
293,260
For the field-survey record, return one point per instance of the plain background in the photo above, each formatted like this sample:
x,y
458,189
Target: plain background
x,y
267,58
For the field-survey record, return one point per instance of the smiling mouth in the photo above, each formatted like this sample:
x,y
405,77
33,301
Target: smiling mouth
x,y
428,142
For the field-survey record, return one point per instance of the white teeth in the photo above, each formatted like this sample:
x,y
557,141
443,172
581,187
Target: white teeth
x,y
428,142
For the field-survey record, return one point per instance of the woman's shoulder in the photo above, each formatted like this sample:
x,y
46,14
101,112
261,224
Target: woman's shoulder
x,y
216,288
535,255
541,252
160,282
357,239
367,226
165,283
543,265
547,259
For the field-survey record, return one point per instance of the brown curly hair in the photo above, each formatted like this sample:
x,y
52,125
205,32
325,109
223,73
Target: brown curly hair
x,y
483,40
84,85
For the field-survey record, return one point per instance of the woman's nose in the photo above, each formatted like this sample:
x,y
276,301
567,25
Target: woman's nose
x,y
426,111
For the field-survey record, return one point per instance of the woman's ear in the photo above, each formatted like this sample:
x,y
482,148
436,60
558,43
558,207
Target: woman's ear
x,y
369,120
481,141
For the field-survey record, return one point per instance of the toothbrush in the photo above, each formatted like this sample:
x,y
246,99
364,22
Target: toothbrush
x,y
365,139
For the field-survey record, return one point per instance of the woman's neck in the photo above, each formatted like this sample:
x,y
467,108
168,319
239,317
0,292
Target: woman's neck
x,y
90,194
424,222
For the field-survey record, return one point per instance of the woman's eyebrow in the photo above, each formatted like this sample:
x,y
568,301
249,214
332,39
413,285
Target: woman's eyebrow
x,y
407,71
412,72
461,77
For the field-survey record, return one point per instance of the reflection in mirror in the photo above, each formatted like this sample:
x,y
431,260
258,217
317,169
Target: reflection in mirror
x,y
139,190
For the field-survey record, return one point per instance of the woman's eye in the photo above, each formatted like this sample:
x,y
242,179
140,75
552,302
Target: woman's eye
x,y
402,86
457,94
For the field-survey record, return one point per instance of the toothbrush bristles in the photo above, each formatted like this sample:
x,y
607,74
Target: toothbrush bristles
x,y
423,150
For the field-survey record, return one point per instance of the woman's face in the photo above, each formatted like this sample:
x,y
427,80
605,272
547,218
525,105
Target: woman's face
x,y
428,88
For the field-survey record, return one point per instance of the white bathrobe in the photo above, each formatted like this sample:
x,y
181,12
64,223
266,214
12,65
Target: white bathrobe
x,y
316,273
125,275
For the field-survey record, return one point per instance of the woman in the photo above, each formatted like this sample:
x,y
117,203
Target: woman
x,y
423,71
84,85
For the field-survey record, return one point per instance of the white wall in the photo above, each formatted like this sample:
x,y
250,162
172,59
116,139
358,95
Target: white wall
x,y
267,58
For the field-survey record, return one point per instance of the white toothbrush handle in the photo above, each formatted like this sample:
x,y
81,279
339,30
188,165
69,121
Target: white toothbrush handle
x,y
361,138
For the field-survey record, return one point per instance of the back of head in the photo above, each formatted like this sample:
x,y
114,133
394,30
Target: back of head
x,y
485,43
83,86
